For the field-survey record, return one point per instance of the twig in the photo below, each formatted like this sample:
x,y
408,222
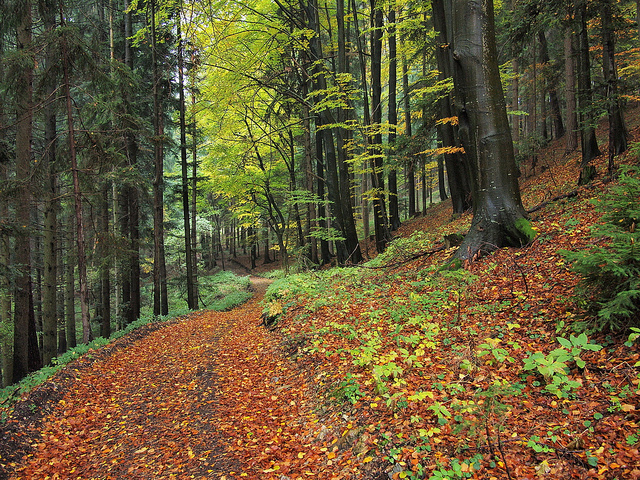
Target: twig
x,y
406,260
504,460
10,396
572,193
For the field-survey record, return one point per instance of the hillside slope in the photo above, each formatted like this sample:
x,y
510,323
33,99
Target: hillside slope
x,y
427,370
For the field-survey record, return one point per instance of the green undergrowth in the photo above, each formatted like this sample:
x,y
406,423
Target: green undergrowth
x,y
419,349
220,292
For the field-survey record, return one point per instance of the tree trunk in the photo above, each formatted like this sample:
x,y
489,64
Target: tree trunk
x,y
570,81
394,211
498,215
456,161
50,241
24,116
69,287
191,297
442,190
588,141
194,198
105,265
159,272
87,335
618,135
556,115
411,164
515,105
380,222
130,269
308,169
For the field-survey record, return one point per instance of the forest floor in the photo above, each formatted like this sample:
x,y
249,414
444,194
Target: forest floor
x,y
217,395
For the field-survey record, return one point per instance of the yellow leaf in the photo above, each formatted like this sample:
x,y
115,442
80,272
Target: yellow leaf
x,y
367,459
190,453
301,454
331,455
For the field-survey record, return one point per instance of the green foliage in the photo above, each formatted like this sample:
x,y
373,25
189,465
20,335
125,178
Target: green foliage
x,y
554,366
348,389
224,290
609,289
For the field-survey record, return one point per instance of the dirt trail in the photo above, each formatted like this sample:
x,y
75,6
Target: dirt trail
x,y
201,397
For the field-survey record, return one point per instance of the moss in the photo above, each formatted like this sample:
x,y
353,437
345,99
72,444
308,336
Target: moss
x,y
526,230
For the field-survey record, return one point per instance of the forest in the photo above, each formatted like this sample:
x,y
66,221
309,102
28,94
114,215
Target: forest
x,y
445,192
143,144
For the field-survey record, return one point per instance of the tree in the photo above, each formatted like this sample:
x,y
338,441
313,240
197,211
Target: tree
x,y
160,300
588,141
457,162
50,240
87,334
499,218
617,129
394,212
380,219
191,296
23,314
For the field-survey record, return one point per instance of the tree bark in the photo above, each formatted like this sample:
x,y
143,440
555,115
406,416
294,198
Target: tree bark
x,y
160,303
411,164
194,196
394,211
24,126
87,334
618,135
380,221
556,115
570,81
499,218
588,141
191,297
50,241
456,161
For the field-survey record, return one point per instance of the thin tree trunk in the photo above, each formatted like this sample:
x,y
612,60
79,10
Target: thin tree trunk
x,y
191,297
515,105
6,350
50,243
556,115
380,220
159,278
308,170
570,81
618,135
588,141
24,115
411,165
69,287
194,198
87,335
105,266
394,211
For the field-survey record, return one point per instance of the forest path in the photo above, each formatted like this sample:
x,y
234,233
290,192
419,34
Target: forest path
x,y
207,396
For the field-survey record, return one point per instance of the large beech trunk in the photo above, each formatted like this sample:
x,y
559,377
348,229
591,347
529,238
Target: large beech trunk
x,y
499,218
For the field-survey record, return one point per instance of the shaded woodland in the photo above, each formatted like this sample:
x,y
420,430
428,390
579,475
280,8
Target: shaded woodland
x,y
145,143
